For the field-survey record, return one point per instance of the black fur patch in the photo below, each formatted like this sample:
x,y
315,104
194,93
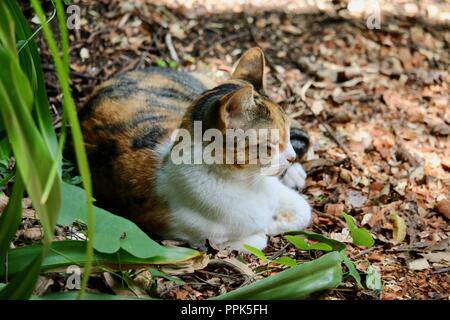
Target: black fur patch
x,y
104,152
300,141
148,139
210,98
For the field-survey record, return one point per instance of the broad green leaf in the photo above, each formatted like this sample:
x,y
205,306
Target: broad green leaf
x,y
361,237
351,268
160,274
373,279
70,252
294,283
334,244
21,286
112,232
258,253
286,261
300,243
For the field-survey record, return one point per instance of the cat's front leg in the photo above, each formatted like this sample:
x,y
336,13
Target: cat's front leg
x,y
294,177
293,212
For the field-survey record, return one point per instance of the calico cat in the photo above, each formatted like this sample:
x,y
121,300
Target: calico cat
x,y
128,126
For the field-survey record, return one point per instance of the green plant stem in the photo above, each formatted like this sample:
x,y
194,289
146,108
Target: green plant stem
x,y
63,33
56,164
81,156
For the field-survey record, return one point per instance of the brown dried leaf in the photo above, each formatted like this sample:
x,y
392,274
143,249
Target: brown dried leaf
x,y
443,207
399,227
189,266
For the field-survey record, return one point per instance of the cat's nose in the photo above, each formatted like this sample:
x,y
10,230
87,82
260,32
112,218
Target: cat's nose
x,y
291,158
290,153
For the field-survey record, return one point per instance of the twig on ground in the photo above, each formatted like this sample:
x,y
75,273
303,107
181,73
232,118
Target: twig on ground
x,y
363,252
170,47
443,270
279,252
330,216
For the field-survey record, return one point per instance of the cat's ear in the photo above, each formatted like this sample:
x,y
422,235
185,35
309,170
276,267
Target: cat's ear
x,y
251,68
235,108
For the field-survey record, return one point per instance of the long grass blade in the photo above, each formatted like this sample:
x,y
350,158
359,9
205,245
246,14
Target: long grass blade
x,y
80,152
31,65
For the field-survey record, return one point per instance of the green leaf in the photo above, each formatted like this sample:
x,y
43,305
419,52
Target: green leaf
x,y
31,64
351,268
20,43
160,63
173,64
112,232
27,135
258,253
300,243
361,237
33,157
334,244
373,279
21,287
286,261
294,283
160,274
10,219
70,252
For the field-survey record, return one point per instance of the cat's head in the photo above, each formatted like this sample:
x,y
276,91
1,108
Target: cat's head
x,y
247,119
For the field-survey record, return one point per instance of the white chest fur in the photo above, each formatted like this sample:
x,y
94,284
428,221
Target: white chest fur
x,y
228,208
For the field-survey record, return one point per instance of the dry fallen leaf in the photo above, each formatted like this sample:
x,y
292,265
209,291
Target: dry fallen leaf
x,y
3,201
437,256
188,266
399,231
418,265
443,207
334,209
32,234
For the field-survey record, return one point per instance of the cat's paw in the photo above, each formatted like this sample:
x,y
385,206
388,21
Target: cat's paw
x,y
258,240
294,177
294,213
